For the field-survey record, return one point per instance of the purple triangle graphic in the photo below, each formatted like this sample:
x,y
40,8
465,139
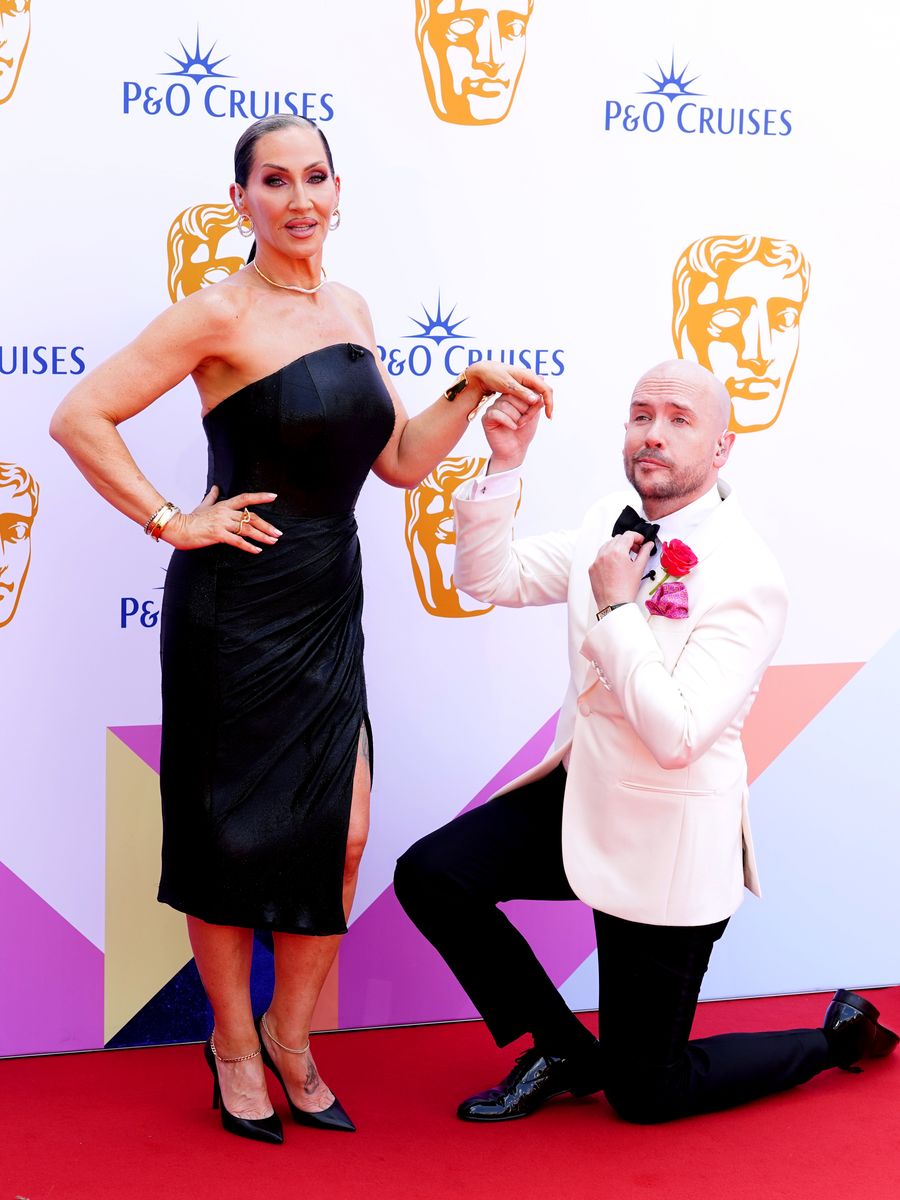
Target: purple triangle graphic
x,y
143,740
52,995
390,975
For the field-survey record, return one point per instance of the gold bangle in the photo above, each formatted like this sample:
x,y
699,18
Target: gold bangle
x,y
481,405
163,521
459,384
160,519
149,524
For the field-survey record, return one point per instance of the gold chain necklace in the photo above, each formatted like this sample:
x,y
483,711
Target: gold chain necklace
x,y
292,287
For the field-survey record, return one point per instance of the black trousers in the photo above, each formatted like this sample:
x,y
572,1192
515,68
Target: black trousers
x,y
450,882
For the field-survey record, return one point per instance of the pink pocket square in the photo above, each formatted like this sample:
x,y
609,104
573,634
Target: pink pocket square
x,y
669,600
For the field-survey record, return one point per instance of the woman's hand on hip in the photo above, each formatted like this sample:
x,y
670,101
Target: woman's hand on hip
x,y
228,521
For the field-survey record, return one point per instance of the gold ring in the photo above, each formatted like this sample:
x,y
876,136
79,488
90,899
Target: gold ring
x,y
245,520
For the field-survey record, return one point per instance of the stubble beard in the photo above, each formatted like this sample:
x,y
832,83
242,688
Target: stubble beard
x,y
676,485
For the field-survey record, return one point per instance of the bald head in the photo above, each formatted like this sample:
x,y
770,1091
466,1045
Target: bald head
x,y
676,438
693,381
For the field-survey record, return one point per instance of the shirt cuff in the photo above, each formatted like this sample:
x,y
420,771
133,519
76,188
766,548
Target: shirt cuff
x,y
488,487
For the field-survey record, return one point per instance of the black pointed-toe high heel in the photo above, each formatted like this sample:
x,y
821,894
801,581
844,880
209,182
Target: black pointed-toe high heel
x,y
333,1117
265,1129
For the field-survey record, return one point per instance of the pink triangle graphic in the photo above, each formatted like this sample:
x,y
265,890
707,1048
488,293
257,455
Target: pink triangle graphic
x,y
52,996
143,740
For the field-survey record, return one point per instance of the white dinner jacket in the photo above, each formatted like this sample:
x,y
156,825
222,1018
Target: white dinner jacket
x,y
655,825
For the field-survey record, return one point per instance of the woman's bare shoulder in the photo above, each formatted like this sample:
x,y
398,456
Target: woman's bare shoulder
x,y
351,298
221,304
356,310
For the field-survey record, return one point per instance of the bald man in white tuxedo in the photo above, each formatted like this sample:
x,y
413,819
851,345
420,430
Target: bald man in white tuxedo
x,y
640,807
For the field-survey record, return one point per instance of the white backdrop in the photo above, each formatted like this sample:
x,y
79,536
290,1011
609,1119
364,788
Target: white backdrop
x,y
546,231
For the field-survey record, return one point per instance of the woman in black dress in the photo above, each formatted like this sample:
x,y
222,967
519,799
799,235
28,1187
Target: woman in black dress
x,y
265,762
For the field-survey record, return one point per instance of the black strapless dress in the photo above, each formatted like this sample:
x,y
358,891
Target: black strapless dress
x,y
262,656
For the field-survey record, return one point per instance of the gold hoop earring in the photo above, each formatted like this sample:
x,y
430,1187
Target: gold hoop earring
x,y
335,220
245,230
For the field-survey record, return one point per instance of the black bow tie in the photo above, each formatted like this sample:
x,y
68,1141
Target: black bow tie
x,y
628,519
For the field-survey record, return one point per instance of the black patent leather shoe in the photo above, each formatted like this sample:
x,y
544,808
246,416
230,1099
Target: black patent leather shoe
x,y
533,1081
853,1031
334,1117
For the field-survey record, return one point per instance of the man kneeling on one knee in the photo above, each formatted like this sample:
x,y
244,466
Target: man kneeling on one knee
x,y
640,808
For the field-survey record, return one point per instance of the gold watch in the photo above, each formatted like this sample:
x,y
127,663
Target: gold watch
x,y
609,608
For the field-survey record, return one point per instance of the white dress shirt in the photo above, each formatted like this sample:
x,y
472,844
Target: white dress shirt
x,y
682,523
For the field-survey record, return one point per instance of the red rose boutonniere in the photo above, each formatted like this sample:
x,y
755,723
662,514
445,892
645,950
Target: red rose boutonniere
x,y
677,560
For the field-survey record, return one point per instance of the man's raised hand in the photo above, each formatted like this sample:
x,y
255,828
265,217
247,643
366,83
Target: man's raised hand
x,y
509,425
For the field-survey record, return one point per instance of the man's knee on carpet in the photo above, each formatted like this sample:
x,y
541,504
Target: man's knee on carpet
x,y
645,1096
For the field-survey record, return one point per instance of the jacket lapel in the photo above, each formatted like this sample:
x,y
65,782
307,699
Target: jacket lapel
x,y
704,541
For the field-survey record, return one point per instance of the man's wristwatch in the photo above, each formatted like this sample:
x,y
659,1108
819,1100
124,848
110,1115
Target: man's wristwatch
x,y
603,611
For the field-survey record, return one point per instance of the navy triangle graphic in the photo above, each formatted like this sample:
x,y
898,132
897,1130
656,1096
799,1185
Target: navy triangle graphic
x,y
180,1012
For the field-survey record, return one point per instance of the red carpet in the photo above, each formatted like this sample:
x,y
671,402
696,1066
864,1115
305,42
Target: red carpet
x,y
136,1125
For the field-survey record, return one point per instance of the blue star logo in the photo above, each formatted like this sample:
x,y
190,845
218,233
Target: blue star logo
x,y
669,84
438,326
198,64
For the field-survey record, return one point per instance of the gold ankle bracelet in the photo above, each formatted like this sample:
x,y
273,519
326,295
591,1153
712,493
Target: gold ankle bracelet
x,y
274,1040
240,1058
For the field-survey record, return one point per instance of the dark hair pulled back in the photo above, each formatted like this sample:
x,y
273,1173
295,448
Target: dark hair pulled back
x,y
246,143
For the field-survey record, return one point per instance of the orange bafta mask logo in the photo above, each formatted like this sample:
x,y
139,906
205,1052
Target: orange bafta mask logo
x,y
195,253
19,494
472,54
430,538
737,305
15,30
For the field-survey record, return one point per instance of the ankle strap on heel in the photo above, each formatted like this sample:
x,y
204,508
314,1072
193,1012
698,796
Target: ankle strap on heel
x,y
275,1042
